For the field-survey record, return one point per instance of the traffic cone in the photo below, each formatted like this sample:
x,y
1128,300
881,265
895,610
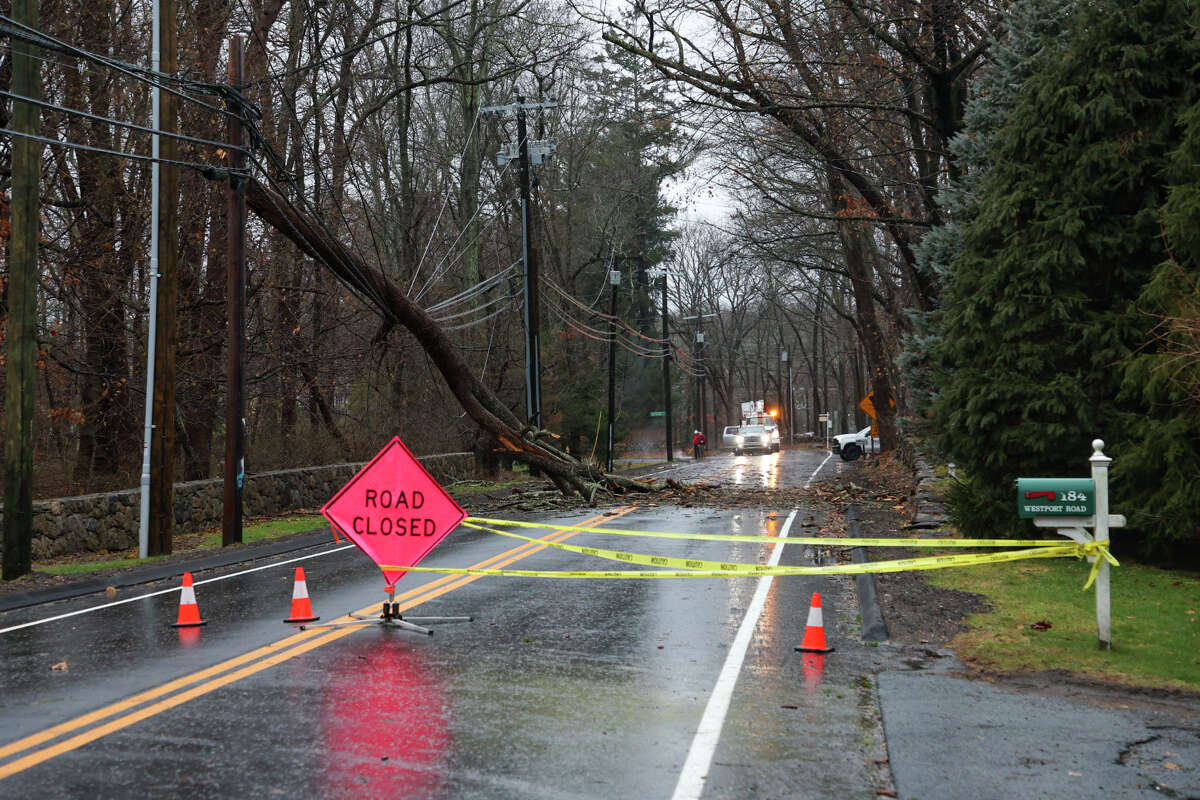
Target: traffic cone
x,y
189,612
301,607
814,631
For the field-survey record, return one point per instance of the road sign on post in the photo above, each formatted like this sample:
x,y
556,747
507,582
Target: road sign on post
x,y
393,510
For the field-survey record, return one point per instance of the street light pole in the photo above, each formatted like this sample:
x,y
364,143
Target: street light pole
x,y
786,394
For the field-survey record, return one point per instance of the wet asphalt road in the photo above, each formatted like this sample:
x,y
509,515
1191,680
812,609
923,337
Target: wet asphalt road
x,y
557,689
581,688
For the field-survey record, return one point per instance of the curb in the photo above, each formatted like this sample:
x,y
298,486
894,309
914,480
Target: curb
x,y
874,629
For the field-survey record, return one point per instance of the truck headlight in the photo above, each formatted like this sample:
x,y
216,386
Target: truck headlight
x,y
739,439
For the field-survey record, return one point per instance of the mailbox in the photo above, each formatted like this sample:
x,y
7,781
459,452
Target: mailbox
x,y
1056,497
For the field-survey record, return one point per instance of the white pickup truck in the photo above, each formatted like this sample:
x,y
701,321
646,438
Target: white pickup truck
x,y
852,445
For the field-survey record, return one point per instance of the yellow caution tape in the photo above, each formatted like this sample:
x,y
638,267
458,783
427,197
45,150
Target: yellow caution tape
x,y
674,567
736,568
896,565
730,537
1097,550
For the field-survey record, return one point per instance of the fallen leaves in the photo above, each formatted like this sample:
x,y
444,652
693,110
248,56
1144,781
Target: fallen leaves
x,y
59,667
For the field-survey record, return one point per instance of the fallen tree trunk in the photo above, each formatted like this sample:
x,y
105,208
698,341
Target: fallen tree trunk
x,y
528,445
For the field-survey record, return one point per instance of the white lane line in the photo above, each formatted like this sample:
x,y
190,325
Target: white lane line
x,y
704,744
172,589
812,477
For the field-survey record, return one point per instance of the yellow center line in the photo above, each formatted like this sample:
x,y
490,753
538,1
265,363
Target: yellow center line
x,y
270,655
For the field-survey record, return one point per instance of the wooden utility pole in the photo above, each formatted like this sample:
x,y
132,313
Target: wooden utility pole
x,y
22,254
614,279
235,303
533,347
162,437
667,368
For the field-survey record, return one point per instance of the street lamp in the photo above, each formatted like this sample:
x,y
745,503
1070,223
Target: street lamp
x,y
791,428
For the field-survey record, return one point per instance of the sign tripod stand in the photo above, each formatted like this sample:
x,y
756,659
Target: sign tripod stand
x,y
391,617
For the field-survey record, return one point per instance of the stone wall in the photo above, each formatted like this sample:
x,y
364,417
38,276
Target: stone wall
x,y
109,522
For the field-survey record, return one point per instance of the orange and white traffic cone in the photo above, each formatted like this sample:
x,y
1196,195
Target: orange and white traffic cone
x,y
301,606
189,612
814,631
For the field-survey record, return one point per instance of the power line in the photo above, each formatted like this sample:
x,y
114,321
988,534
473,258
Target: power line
x,y
620,322
120,123
606,336
209,170
476,309
473,291
20,31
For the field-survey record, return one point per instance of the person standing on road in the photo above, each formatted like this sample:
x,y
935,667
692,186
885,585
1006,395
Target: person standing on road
x,y
697,444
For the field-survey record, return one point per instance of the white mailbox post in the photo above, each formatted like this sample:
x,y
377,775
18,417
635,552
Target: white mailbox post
x,y
1075,527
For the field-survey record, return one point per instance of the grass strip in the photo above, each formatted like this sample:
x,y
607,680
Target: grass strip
x,y
272,529
1155,622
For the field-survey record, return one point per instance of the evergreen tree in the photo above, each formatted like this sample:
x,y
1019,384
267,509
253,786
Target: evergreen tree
x,y
1162,380
611,214
1040,309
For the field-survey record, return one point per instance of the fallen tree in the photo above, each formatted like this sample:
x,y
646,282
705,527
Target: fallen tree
x,y
527,444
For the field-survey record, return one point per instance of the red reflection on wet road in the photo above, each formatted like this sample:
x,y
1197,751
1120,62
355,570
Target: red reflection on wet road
x,y
383,723
189,637
814,670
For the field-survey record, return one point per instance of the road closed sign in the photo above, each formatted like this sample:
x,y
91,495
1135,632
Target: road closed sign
x,y
393,510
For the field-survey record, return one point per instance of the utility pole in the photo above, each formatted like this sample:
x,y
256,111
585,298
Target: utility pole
x,y
533,346
666,335
614,280
528,154
157,521
700,426
700,381
22,303
235,303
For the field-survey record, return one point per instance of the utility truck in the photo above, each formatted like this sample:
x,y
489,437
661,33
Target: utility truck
x,y
754,413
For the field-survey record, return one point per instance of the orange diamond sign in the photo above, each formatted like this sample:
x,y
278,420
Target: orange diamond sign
x,y
393,510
